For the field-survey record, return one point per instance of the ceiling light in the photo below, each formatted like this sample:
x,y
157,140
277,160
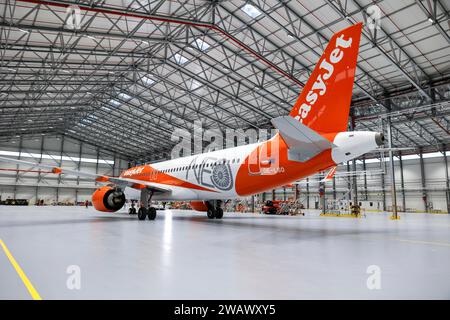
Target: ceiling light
x,y
29,120
201,45
179,58
251,11
90,37
431,20
24,31
148,81
290,35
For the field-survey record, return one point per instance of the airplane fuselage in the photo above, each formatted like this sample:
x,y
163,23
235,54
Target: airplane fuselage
x,y
244,170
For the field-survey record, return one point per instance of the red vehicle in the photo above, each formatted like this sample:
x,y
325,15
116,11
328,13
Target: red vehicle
x,y
272,207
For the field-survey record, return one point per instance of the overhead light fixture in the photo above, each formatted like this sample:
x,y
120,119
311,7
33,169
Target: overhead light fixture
x,y
29,120
90,37
11,69
251,11
201,45
179,59
24,31
23,129
431,20
290,35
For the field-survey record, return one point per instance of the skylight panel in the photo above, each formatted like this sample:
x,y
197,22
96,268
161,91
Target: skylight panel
x,y
115,103
201,45
180,59
148,81
124,96
251,11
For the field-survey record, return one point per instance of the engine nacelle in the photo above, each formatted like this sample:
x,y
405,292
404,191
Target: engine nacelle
x,y
199,206
108,199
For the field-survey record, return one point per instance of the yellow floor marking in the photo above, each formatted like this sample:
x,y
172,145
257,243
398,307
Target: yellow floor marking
x,y
34,294
445,244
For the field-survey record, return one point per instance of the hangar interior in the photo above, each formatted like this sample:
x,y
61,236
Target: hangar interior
x,y
101,86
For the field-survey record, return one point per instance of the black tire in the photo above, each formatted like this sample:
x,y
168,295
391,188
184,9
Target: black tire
x,y
151,213
211,213
219,213
142,213
132,211
272,211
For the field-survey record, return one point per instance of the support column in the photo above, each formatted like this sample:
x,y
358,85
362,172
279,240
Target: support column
x,y
392,173
366,195
334,188
18,167
79,169
96,164
39,173
273,194
307,193
447,191
349,182
422,177
60,164
402,182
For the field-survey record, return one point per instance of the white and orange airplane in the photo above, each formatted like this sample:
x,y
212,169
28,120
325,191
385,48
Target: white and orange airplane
x,y
310,139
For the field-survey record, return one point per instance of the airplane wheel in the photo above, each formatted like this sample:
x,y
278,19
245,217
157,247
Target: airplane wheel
x,y
210,213
132,211
142,213
219,213
151,213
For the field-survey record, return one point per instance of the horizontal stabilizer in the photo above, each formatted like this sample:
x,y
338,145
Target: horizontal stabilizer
x,y
303,142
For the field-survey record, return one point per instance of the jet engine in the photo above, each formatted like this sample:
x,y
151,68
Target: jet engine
x,y
199,206
108,199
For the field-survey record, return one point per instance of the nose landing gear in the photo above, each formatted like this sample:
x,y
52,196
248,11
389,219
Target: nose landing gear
x,y
146,210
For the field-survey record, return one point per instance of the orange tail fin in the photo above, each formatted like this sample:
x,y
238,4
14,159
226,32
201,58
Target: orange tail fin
x,y
324,103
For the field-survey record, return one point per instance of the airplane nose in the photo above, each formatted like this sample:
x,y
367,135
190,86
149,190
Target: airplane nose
x,y
379,139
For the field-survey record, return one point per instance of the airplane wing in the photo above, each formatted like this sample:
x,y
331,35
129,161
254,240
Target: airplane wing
x,y
118,181
330,174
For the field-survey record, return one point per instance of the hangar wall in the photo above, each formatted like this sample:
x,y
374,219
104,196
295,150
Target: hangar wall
x,y
410,196
75,155
56,151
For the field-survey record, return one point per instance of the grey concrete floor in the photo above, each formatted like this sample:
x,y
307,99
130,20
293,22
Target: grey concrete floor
x,y
183,255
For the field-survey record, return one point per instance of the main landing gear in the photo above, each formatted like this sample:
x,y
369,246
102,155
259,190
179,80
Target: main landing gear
x,y
132,209
214,209
146,210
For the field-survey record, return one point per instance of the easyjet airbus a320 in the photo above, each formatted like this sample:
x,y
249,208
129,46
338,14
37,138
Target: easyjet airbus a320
x,y
310,139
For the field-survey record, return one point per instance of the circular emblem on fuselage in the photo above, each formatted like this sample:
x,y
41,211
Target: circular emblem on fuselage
x,y
222,177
